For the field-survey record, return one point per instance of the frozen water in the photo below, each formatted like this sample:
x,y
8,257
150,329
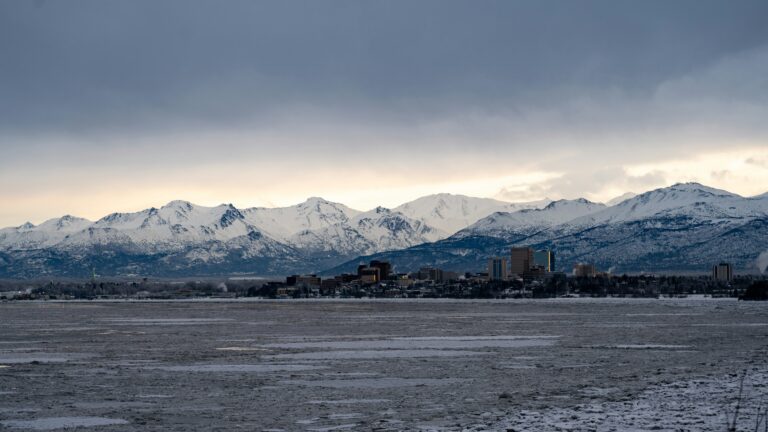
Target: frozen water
x,y
111,404
189,384
472,338
373,354
596,391
52,423
375,383
167,321
308,421
464,342
258,368
9,358
349,401
650,346
237,348
344,416
333,428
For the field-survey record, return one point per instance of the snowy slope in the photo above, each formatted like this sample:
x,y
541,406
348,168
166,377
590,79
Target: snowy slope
x,y
285,222
451,213
621,198
47,234
527,221
177,224
684,227
377,230
683,199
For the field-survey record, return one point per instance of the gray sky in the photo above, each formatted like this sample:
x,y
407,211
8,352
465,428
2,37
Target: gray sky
x,y
108,105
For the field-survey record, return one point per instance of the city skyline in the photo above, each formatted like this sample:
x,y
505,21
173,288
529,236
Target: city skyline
x,y
117,107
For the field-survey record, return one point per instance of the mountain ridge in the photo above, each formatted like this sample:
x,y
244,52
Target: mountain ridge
x,y
683,227
317,234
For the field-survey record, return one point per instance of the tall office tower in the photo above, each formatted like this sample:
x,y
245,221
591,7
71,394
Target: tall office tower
x,y
521,260
497,269
385,268
544,259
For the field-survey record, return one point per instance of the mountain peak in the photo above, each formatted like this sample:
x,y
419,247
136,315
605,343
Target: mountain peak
x,y
316,200
692,200
566,202
696,188
179,204
68,221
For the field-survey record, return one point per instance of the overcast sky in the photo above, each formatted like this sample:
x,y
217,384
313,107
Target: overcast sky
x,y
122,105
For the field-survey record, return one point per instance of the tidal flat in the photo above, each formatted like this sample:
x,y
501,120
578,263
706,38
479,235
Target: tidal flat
x,y
563,364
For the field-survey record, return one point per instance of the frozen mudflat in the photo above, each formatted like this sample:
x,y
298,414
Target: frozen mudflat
x,y
373,383
245,368
53,423
567,364
373,354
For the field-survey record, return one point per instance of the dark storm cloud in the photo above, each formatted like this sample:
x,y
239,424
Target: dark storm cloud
x,y
77,66
112,105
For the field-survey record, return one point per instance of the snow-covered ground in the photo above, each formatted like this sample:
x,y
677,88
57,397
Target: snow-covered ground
x,y
691,405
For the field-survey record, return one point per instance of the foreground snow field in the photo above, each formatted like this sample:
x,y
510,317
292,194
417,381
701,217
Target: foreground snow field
x,y
569,364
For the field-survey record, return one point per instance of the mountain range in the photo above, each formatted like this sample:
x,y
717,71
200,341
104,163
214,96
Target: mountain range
x,y
684,227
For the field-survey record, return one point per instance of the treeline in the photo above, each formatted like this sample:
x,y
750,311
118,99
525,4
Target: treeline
x,y
143,288
558,285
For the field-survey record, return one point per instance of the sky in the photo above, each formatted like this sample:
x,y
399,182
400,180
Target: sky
x,y
118,106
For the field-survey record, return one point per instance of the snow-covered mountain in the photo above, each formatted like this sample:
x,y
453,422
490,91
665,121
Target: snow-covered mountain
x,y
318,225
172,239
175,224
314,214
684,227
683,199
621,198
185,237
501,224
377,230
451,213
48,233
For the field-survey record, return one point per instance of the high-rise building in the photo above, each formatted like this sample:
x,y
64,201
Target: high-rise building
x,y
521,260
497,269
369,275
431,273
584,270
722,272
544,259
385,268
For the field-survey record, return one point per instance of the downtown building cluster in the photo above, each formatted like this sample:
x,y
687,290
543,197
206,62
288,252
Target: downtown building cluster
x,y
525,272
523,262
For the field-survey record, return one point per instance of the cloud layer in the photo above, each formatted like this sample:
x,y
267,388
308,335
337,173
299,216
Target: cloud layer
x,y
121,105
